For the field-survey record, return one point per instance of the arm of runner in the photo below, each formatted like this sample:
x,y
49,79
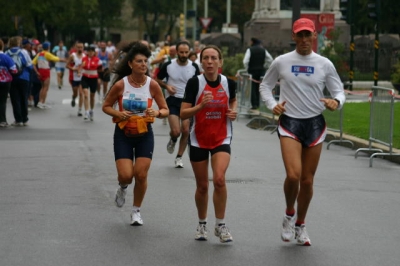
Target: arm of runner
x,y
158,96
268,84
188,109
69,61
231,112
51,57
330,104
334,85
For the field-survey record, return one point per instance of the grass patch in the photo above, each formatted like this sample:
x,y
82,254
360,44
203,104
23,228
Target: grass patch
x,y
356,120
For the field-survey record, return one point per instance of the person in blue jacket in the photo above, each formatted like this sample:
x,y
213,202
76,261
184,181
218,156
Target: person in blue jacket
x,y
19,91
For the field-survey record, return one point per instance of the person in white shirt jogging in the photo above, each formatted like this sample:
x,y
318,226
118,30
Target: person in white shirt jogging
x,y
177,72
74,64
303,76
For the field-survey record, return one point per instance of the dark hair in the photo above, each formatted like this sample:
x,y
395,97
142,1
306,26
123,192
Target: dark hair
x,y
128,53
182,43
255,41
192,53
211,46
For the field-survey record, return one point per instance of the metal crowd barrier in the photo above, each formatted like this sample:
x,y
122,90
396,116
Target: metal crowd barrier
x,y
381,122
334,120
244,81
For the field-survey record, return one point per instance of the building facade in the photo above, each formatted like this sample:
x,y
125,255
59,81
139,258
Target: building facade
x,y
271,21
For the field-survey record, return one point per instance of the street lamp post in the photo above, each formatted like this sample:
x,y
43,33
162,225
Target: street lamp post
x,y
194,19
184,18
295,16
228,12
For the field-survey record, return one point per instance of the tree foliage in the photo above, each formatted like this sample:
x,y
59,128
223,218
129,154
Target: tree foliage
x,y
160,16
76,18
157,15
108,14
72,18
389,21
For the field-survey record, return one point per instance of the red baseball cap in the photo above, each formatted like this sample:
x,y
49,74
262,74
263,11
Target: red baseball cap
x,y
303,24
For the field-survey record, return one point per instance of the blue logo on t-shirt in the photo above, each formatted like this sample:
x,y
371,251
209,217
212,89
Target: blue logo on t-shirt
x,y
308,70
135,103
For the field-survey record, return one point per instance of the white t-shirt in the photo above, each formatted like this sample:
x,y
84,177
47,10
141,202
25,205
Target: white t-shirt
x,y
77,62
302,81
177,76
110,49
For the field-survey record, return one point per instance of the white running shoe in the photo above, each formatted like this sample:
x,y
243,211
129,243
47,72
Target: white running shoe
x,y
86,116
178,162
79,113
301,235
17,124
41,105
120,197
171,146
201,232
136,218
287,233
45,106
91,115
222,231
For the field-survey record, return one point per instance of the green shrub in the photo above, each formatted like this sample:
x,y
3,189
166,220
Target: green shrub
x,y
232,64
395,77
335,52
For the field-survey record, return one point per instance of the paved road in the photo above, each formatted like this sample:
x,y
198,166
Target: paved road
x,y
58,180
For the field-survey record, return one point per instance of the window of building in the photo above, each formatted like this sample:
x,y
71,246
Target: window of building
x,y
305,4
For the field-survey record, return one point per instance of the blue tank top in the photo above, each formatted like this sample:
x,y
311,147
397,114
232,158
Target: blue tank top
x,y
104,59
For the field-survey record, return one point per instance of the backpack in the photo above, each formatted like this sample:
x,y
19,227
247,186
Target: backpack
x,y
17,58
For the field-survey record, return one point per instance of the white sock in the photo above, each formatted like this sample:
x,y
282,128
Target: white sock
x,y
219,221
136,209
